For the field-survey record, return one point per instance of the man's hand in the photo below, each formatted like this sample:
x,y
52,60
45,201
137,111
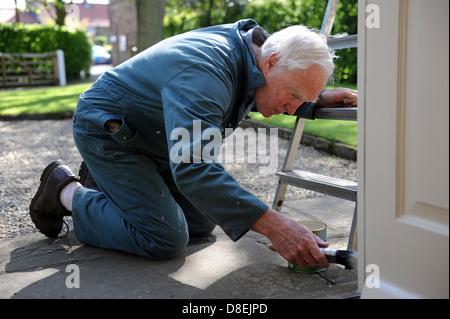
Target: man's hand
x,y
339,97
292,240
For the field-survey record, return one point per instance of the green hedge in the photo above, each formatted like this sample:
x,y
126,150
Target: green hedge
x,y
272,15
275,15
34,38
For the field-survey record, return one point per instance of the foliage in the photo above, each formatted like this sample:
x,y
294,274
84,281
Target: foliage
x,y
33,38
186,15
273,15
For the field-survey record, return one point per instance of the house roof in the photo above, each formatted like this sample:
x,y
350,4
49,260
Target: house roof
x,y
97,15
9,15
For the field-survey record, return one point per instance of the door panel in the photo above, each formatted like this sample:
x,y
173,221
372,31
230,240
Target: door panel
x,y
404,146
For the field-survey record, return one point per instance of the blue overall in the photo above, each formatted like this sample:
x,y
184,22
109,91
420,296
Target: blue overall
x,y
149,205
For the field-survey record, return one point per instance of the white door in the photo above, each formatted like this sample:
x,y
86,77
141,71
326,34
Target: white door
x,y
403,155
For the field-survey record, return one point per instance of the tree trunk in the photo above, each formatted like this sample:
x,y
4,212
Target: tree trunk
x,y
150,16
17,13
206,17
60,10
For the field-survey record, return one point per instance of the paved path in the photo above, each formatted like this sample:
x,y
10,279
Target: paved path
x,y
33,266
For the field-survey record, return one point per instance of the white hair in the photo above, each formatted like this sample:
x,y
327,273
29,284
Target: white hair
x,y
298,48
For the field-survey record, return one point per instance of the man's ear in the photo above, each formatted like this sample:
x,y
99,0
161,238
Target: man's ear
x,y
270,62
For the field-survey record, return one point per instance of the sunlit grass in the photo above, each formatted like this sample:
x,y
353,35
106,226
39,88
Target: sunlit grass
x,y
64,99
41,100
339,131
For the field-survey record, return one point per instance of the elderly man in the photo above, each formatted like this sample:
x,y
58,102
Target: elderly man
x,y
131,195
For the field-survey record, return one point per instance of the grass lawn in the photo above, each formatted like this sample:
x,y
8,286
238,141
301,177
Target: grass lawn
x,y
63,99
340,131
41,100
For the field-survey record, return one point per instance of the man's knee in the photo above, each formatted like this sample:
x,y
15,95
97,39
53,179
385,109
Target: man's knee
x,y
168,245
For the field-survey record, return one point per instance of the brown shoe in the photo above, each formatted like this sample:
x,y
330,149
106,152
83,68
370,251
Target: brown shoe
x,y
46,209
86,178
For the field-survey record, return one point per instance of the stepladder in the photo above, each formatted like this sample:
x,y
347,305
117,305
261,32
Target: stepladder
x,y
289,176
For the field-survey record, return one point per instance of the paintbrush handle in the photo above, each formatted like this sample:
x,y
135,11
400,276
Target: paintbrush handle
x,y
330,254
347,258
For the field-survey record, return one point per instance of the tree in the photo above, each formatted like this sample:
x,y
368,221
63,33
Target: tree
x,y
17,12
150,16
57,9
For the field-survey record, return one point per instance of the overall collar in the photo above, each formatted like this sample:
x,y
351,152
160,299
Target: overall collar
x,y
255,78
258,36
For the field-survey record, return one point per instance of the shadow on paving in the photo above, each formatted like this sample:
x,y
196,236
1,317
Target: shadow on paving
x,y
211,268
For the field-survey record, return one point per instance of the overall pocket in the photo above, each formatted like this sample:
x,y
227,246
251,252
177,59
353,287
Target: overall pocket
x,y
125,136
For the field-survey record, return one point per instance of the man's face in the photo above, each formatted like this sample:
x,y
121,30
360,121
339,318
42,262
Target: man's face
x,y
286,91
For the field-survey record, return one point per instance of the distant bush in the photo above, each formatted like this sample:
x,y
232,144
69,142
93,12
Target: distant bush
x,y
35,38
272,15
275,15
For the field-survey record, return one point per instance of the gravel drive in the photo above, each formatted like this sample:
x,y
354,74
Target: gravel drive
x,y
27,147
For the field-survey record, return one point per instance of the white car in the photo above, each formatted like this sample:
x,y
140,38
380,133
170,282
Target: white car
x,y
100,55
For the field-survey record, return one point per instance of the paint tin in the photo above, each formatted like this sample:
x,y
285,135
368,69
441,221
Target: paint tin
x,y
319,229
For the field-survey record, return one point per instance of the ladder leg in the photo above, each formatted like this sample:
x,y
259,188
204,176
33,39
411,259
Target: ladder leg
x,y
353,238
279,196
289,162
328,19
294,144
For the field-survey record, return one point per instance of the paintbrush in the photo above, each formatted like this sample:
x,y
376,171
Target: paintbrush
x,y
347,258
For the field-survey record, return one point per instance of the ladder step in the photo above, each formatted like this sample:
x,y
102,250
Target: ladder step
x,y
346,42
336,113
320,183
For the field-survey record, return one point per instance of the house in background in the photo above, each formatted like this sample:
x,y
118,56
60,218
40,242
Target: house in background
x,y
95,17
116,21
11,16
